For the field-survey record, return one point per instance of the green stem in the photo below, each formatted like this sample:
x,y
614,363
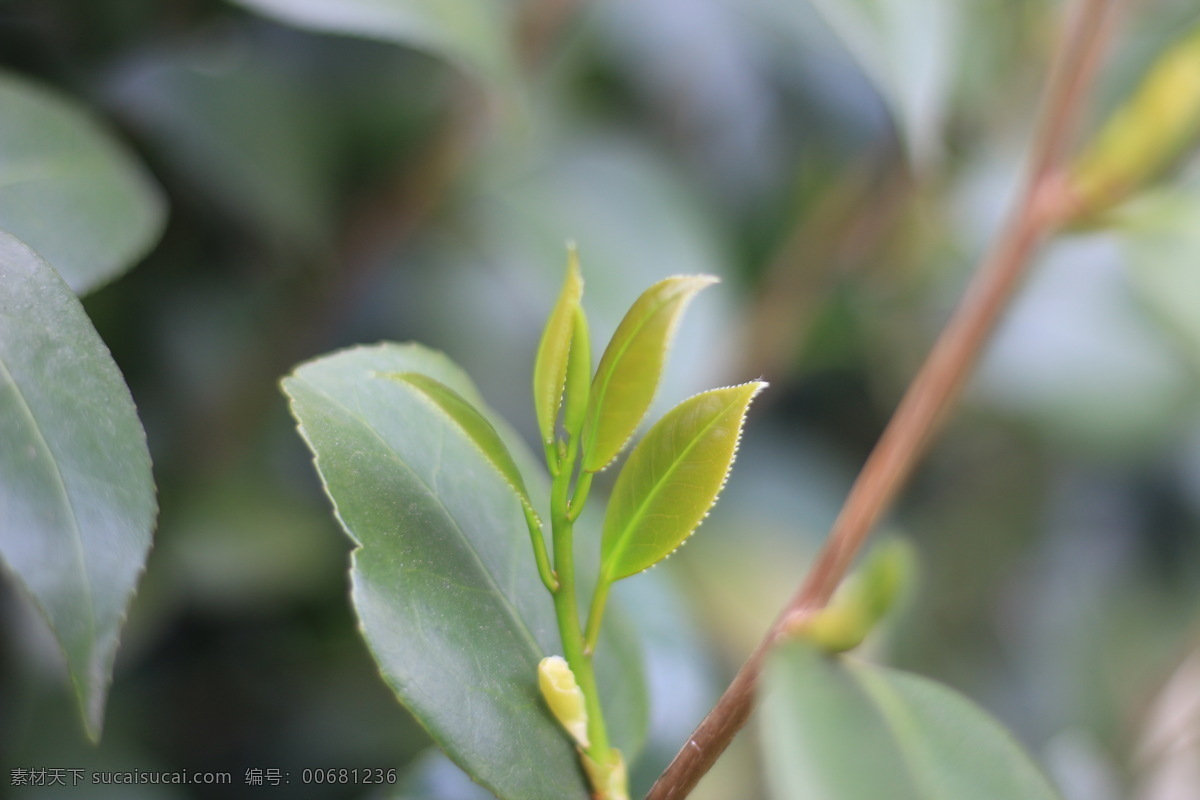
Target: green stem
x,y
596,614
566,608
579,497
539,550
551,458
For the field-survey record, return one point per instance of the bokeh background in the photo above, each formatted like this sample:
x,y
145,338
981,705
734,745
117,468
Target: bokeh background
x,y
840,165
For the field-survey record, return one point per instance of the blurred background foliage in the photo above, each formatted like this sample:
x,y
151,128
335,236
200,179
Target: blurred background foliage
x,y
345,177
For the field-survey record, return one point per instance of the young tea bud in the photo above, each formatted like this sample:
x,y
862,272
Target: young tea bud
x,y
564,697
860,603
579,376
1144,135
835,629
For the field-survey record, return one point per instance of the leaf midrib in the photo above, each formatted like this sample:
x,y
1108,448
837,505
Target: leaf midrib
x,y
506,603
617,357
891,708
77,537
641,508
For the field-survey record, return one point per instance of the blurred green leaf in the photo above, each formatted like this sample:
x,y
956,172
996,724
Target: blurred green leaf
x,y
1160,232
446,591
550,368
629,371
1076,357
672,479
908,50
240,131
840,729
70,190
475,34
77,501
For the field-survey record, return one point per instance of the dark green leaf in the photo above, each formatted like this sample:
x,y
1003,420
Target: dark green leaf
x,y
840,729
69,190
631,367
550,368
474,33
474,425
77,499
248,136
672,479
443,580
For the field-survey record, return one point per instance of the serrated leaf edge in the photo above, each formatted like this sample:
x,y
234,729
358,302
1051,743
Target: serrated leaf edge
x,y
396,687
737,443
92,700
705,281
574,275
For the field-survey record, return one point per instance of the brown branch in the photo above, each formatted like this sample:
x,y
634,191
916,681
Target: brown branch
x,y
931,393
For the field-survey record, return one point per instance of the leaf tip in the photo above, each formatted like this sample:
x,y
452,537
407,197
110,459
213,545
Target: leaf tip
x,y
734,398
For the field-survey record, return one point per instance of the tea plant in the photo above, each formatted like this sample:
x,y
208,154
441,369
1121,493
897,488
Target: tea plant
x,y
368,413
77,500
401,419
481,574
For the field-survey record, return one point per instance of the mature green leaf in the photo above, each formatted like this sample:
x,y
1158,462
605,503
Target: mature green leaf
x,y
249,135
550,368
474,425
1160,233
632,364
907,49
840,729
443,582
672,479
77,499
69,190
476,34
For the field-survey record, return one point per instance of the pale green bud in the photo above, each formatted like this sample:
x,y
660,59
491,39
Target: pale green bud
x,y
862,601
564,697
1145,134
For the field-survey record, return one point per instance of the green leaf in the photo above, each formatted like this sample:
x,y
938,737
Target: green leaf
x,y
907,48
474,425
632,364
840,729
77,499
249,136
475,34
1160,237
69,190
672,479
446,591
579,377
550,368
